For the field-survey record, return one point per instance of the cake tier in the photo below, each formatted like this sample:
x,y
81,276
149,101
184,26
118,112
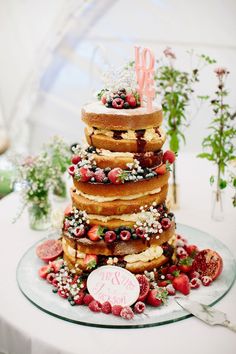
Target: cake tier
x,y
105,158
136,144
99,116
114,206
116,248
124,189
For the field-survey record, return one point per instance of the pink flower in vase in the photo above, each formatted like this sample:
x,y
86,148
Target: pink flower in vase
x,y
221,71
169,53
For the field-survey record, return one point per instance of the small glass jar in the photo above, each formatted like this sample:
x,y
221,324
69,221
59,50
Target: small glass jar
x,y
40,215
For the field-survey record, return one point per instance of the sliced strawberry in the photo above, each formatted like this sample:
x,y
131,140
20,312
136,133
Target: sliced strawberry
x,y
161,170
95,233
117,175
185,264
144,287
44,271
90,261
181,283
157,297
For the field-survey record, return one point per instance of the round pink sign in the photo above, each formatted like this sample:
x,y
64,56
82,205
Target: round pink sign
x,y
114,284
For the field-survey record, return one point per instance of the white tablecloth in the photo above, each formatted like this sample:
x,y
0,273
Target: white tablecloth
x,y
24,329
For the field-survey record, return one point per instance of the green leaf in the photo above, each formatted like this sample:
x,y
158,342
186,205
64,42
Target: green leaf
x,y
222,184
212,179
234,182
174,142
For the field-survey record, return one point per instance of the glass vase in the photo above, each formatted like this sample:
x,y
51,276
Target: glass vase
x,y
217,212
60,190
40,216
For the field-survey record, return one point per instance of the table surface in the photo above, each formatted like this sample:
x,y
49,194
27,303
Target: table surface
x,y
26,329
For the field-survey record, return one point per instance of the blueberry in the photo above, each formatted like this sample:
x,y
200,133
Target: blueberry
x,y
126,105
92,179
107,169
91,149
116,96
123,90
105,180
117,230
72,303
134,236
122,96
55,290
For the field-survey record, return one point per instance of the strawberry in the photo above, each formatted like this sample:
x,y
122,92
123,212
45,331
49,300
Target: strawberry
x,y
181,283
116,310
85,174
169,156
95,233
44,271
90,261
127,313
106,307
87,299
161,170
185,264
63,294
192,250
139,307
57,265
95,306
130,98
157,297
75,159
117,175
99,175
174,270
162,283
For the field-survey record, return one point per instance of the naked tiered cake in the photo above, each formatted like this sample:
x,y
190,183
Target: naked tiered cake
x,y
119,215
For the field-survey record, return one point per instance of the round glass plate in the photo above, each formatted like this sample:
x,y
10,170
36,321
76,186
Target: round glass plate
x,y
40,293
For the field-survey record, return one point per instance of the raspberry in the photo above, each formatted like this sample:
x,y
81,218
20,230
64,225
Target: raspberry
x,y
195,283
139,307
75,159
95,306
117,103
206,280
106,307
116,310
181,253
125,235
170,289
87,299
71,170
127,313
78,299
99,175
110,236
194,274
165,223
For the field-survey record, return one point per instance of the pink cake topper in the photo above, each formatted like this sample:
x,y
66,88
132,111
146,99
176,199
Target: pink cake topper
x,y
144,67
114,284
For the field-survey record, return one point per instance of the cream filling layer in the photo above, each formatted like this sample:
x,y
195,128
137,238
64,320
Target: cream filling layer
x,y
145,256
97,198
108,153
71,251
149,135
123,217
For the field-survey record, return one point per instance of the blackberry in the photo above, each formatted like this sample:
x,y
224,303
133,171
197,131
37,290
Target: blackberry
x,y
126,105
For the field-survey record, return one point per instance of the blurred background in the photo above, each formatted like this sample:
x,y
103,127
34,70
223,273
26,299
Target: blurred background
x,y
53,53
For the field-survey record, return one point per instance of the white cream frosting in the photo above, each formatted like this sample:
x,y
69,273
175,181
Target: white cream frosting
x,y
149,135
99,108
124,217
108,153
145,256
97,198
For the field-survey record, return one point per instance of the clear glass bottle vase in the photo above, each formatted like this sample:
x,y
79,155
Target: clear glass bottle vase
x,y
40,216
217,212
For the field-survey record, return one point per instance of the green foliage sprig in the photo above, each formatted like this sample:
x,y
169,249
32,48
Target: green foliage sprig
x,y
219,145
176,89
